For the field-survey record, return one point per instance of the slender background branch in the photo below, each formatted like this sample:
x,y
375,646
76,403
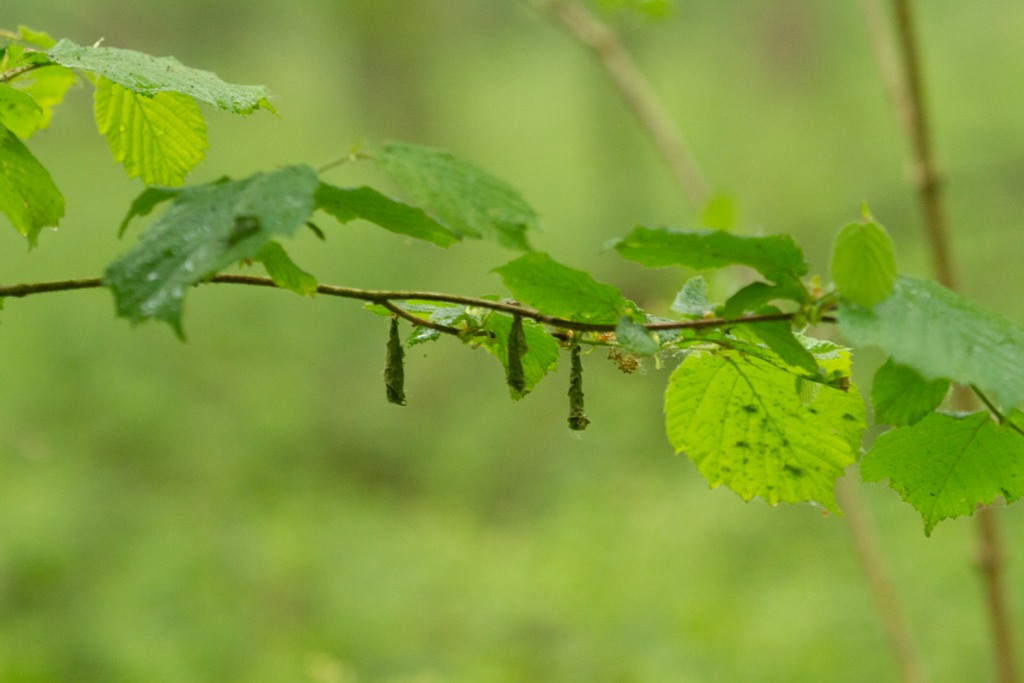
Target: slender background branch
x,y
912,109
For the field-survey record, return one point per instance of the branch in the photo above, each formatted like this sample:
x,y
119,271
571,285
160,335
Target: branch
x,y
635,89
910,99
386,297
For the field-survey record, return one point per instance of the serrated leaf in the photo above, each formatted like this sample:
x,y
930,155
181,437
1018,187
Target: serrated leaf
x,y
537,280
284,272
777,257
464,198
540,358
692,299
28,196
945,465
901,396
205,229
942,335
744,425
159,138
347,204
148,75
635,338
863,263
46,86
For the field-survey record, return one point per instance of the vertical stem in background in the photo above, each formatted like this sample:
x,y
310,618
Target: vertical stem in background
x,y
910,101
633,87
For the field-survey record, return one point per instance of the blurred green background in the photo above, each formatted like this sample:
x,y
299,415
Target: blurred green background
x,y
247,507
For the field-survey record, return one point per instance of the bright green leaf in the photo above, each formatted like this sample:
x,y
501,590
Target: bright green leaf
x,y
863,263
46,86
148,75
37,38
28,196
901,396
19,113
283,271
535,279
942,335
159,138
635,338
541,355
207,228
719,214
469,201
946,465
348,204
778,257
743,424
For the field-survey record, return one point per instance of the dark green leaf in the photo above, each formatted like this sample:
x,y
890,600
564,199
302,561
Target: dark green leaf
x,y
778,257
144,204
390,214
517,348
536,280
751,298
778,335
469,201
148,75
207,228
901,396
945,465
942,335
284,272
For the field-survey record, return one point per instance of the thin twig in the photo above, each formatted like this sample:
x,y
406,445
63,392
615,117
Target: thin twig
x,y
383,297
637,92
865,540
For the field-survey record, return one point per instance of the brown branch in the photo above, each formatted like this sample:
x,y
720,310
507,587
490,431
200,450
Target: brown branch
x,y
635,90
911,102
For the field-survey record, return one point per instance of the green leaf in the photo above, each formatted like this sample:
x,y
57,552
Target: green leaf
x,y
207,228
148,75
37,38
145,202
778,335
159,138
778,257
369,204
635,338
46,86
469,201
28,196
541,356
516,349
901,396
719,214
751,298
743,424
942,335
946,465
19,113
863,263
692,299
536,280
284,272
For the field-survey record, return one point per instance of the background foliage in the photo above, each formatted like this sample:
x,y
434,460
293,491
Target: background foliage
x,y
248,507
